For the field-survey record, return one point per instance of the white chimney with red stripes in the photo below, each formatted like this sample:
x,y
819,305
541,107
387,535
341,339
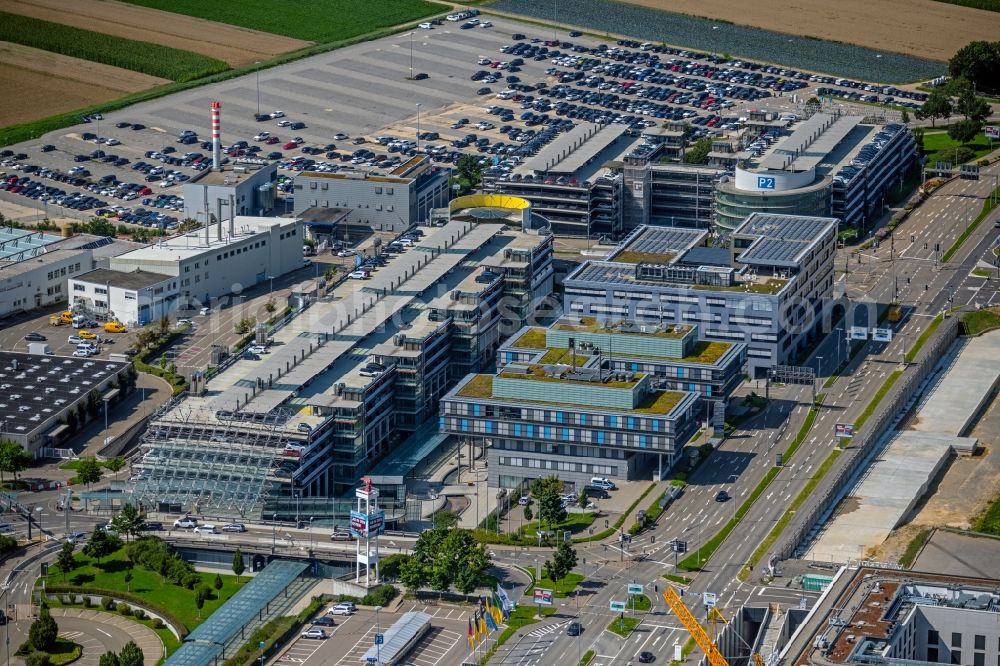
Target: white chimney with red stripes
x,y
216,136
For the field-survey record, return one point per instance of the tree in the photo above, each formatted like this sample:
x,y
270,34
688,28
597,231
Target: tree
x,y
217,584
117,463
188,225
164,325
238,565
101,544
389,567
13,458
528,513
201,595
582,499
270,306
44,631
36,658
128,580
972,107
904,116
964,131
469,170
550,507
89,471
937,105
127,522
563,561
65,559
444,557
244,326
698,153
979,62
109,659
445,520
131,655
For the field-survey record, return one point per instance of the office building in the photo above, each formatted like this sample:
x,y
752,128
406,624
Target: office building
x,y
247,189
383,200
767,289
875,616
44,398
666,193
215,261
314,414
134,299
548,415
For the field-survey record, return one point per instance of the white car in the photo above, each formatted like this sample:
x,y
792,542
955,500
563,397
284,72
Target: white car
x,y
205,311
185,321
206,529
346,252
82,353
75,340
261,136
358,275
258,349
284,123
186,523
277,114
341,609
318,634
113,142
426,26
485,24
234,527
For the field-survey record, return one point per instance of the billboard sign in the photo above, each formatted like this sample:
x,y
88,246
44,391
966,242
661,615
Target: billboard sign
x,y
859,333
542,597
364,525
843,430
992,132
882,334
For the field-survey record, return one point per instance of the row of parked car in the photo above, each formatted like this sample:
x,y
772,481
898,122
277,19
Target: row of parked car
x,y
33,189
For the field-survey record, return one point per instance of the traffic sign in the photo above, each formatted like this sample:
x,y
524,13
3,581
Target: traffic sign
x,y
635,588
262,645
618,606
709,599
379,639
882,334
679,546
859,333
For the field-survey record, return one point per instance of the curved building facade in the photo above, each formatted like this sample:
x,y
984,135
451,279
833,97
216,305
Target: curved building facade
x,y
771,191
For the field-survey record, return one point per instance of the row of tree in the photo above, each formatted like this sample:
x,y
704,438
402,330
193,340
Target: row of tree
x,y
957,97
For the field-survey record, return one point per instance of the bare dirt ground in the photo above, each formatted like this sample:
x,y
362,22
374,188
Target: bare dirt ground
x,y
963,492
922,28
235,45
57,83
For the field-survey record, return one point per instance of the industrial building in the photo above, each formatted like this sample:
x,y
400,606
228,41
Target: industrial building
x,y
135,298
767,289
568,183
222,258
284,434
874,616
247,189
42,396
35,266
382,200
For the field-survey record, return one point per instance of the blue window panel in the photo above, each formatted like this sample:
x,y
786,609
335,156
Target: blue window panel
x,y
476,410
489,426
634,367
643,441
600,437
517,430
631,423
531,431
708,390
465,425
680,372
692,387
612,421
559,417
565,434
583,419
654,424
547,432
509,357
440,424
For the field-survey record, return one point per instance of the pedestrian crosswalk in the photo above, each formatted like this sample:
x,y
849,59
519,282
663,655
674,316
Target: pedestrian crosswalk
x,y
541,632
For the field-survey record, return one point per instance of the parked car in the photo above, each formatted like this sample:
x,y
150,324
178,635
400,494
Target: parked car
x,y
323,621
358,275
35,337
318,634
342,609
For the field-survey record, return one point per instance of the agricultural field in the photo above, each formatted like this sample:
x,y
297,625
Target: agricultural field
x,y
769,45
56,83
988,5
235,45
151,59
318,21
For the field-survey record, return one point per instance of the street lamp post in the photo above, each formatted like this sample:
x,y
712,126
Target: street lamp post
x,y
418,127
274,531
311,534
257,62
378,644
411,54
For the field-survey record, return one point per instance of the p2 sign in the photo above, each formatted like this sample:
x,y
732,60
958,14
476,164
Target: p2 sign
x,y
765,183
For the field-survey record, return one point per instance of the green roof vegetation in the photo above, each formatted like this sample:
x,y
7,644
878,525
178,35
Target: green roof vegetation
x,y
659,403
561,355
769,286
533,338
631,257
537,373
591,325
707,352
480,386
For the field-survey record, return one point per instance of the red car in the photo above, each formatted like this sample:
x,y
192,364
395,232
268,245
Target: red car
x,y
271,140
290,145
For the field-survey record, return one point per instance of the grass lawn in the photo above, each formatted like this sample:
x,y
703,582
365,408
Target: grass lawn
x,y
919,344
563,588
75,464
170,641
639,602
623,627
680,580
870,409
974,323
64,652
110,575
988,207
586,658
989,521
941,148
317,21
910,554
575,523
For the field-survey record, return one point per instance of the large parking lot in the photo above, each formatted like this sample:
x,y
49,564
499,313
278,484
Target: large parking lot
x,y
341,102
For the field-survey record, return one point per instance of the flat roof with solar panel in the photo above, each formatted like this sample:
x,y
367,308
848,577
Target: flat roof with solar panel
x,y
811,142
574,149
780,240
657,244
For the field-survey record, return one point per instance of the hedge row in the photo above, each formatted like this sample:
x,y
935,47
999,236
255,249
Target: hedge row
x,y
126,596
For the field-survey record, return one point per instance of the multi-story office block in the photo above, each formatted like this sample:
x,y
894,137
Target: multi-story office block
x,y
766,290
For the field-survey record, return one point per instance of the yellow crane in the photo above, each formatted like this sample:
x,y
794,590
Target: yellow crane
x,y
706,643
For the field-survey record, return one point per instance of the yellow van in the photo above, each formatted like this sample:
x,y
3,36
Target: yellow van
x,y
115,327
87,335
